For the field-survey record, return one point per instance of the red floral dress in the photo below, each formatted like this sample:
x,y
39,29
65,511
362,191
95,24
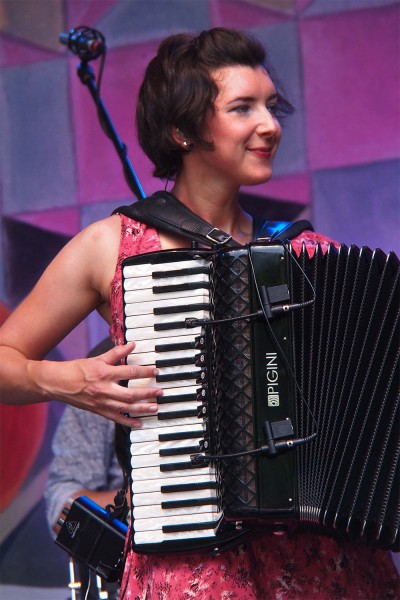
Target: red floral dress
x,y
293,566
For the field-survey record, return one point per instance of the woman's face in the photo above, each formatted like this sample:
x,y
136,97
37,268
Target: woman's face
x,y
244,129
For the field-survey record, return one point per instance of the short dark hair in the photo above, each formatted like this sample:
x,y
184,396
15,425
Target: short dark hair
x,y
178,90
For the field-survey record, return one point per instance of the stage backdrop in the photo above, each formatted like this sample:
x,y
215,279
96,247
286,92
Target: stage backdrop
x,y
338,165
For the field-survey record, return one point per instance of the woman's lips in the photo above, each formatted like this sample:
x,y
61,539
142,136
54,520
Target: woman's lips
x,y
262,151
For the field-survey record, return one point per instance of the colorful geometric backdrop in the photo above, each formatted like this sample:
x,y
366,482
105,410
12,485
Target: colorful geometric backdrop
x,y
338,165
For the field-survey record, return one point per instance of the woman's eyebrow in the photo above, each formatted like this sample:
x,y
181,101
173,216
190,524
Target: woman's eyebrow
x,y
273,97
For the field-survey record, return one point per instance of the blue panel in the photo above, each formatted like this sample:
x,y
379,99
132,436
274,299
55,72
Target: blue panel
x,y
38,170
140,20
319,7
94,212
360,205
282,45
98,329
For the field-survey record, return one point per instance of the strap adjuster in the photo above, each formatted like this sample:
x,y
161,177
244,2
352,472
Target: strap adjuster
x,y
219,237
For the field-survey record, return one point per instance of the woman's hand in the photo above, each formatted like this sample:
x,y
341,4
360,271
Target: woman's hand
x,y
93,384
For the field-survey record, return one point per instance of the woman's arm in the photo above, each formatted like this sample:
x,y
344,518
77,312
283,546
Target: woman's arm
x,y
75,283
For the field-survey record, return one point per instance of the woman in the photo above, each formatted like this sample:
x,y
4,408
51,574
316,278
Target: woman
x,y
208,119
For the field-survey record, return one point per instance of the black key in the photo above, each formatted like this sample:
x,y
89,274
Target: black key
x,y
178,435
178,414
189,527
188,487
189,502
179,451
168,310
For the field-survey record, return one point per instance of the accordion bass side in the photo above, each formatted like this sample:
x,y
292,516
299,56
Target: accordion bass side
x,y
297,397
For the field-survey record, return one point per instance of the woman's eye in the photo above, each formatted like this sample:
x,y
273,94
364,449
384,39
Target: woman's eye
x,y
242,108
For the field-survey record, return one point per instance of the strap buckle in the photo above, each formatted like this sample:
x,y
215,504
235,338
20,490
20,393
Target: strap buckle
x,y
216,236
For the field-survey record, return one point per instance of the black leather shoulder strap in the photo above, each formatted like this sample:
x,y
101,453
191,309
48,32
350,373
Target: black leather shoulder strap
x,y
280,230
165,212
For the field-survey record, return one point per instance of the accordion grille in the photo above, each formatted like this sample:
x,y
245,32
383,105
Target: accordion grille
x,y
231,381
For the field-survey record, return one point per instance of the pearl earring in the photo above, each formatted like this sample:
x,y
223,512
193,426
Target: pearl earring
x,y
188,146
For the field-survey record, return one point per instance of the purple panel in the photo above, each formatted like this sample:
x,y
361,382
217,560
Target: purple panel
x,y
132,22
86,12
236,13
38,167
76,344
282,45
295,188
64,221
100,173
352,87
360,204
16,52
318,7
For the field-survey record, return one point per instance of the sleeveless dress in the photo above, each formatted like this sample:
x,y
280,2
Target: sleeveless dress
x,y
293,566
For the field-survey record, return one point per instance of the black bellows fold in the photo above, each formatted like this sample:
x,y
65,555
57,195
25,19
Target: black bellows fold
x,y
346,349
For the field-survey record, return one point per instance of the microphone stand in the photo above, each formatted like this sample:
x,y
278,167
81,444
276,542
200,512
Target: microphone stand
x,y
86,75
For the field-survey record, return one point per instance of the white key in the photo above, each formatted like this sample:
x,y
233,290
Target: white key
x,y
154,485
156,537
150,358
155,447
155,473
151,382
152,422
158,523
152,460
147,435
151,320
147,268
148,333
154,512
148,282
143,346
143,295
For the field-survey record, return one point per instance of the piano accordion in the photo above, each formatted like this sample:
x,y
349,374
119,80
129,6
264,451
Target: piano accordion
x,y
260,350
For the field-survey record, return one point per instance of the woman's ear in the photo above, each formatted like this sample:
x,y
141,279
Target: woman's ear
x,y
181,139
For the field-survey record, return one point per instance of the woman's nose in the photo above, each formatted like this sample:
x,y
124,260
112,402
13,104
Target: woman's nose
x,y
268,124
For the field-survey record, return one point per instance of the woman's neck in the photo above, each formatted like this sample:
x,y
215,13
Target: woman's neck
x,y
219,207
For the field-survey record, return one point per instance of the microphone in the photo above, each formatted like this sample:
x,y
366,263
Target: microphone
x,y
87,43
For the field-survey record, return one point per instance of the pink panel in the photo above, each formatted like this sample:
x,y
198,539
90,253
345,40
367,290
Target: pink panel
x,y
236,13
86,12
14,52
66,220
352,87
294,188
99,168
302,4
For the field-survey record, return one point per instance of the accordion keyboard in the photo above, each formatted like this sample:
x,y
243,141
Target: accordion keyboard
x,y
172,500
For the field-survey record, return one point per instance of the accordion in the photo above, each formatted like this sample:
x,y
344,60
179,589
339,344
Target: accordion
x,y
281,394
